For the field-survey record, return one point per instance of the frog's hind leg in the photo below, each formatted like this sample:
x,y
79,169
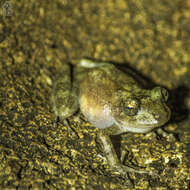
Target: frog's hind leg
x,y
64,96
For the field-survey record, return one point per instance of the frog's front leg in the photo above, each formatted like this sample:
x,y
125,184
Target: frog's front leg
x,y
115,164
64,97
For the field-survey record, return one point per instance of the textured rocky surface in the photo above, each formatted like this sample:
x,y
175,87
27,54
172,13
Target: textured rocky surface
x,y
37,38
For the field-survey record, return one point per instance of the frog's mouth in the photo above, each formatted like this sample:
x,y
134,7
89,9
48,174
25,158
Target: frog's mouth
x,y
142,124
141,130
134,128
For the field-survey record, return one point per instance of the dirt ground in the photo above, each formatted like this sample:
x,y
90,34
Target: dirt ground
x,y
36,38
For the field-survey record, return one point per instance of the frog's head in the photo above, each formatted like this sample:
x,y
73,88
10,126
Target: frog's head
x,y
141,111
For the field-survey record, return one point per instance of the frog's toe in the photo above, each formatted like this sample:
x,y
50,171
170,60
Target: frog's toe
x,y
123,156
123,170
164,134
70,130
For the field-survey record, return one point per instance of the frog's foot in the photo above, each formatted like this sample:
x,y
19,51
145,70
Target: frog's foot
x,y
136,170
70,130
123,156
164,134
123,170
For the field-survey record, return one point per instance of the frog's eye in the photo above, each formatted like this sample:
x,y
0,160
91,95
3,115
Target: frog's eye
x,y
160,93
130,107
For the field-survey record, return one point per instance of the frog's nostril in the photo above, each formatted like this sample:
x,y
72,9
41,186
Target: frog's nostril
x,y
156,93
164,94
159,93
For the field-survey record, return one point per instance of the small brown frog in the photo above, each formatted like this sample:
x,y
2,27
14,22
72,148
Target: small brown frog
x,y
112,101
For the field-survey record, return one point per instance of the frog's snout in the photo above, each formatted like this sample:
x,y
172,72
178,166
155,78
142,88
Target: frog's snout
x,y
159,93
162,117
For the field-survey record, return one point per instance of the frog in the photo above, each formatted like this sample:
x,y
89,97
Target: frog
x,y
112,101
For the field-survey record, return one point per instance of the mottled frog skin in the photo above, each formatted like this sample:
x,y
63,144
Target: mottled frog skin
x,y
112,101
